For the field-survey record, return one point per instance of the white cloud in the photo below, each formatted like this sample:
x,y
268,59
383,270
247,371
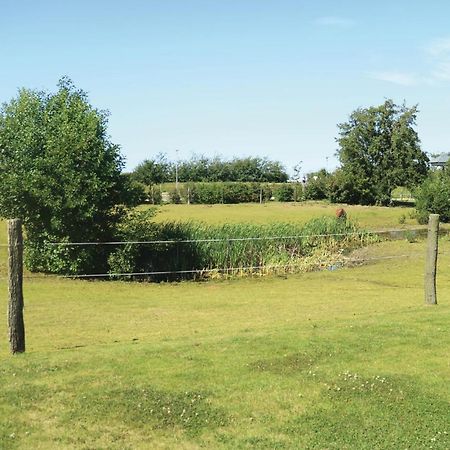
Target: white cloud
x,y
401,78
334,21
436,67
442,71
439,48
439,52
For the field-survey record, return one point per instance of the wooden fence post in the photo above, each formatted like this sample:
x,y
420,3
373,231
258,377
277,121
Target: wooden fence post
x,y
15,287
431,260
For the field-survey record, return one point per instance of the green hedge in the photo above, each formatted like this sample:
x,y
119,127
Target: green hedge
x,y
233,192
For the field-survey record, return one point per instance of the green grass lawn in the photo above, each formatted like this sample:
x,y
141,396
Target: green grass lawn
x,y
344,359
368,217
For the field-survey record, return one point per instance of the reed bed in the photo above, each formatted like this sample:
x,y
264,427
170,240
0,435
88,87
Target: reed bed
x,y
180,250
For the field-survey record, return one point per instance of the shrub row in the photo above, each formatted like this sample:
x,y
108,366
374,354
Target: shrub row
x,y
227,192
203,168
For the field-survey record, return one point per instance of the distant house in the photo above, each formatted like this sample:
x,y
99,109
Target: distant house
x,y
439,161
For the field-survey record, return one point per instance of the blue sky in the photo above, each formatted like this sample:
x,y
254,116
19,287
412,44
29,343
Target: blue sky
x,y
235,77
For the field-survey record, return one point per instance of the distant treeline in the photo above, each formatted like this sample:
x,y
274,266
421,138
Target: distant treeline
x,y
204,169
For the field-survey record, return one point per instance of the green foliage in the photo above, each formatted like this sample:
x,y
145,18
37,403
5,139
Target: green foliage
x,y
175,197
411,236
228,193
229,247
134,192
61,175
204,169
154,171
433,197
379,149
316,187
344,188
284,193
154,195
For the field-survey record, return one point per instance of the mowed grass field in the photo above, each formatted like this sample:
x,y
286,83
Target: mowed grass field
x,y
344,359
372,217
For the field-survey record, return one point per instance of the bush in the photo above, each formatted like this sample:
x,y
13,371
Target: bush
x,y
134,191
316,187
175,197
344,188
433,197
284,193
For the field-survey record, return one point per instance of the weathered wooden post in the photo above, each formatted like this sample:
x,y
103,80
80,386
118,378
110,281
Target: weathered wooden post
x,y
15,287
431,260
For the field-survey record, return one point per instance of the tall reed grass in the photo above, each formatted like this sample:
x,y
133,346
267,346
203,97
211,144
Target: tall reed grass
x,y
231,249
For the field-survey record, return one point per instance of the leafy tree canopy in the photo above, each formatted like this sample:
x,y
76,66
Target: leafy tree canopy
x,y
433,196
154,171
201,168
379,149
60,172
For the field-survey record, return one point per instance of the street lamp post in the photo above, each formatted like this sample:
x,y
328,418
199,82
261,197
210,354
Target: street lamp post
x,y
176,171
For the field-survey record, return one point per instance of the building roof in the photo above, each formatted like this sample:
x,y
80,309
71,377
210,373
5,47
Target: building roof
x,y
439,160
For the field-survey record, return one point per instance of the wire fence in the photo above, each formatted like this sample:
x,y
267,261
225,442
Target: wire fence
x,y
232,239
324,264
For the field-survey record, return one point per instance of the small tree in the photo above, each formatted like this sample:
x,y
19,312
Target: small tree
x,y
154,171
433,197
317,184
380,149
62,175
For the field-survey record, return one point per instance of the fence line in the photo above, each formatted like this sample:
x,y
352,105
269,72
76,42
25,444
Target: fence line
x,y
191,241
225,270
220,270
231,239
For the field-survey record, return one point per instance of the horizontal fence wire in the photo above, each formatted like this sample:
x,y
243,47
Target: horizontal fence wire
x,y
340,264
225,270
236,239
193,241
230,239
231,269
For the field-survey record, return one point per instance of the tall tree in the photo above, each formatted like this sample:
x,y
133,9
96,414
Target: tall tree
x,y
379,149
61,174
